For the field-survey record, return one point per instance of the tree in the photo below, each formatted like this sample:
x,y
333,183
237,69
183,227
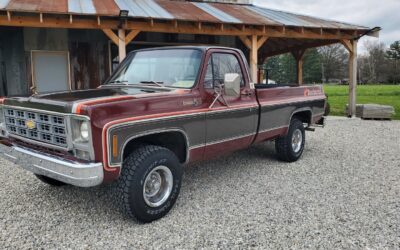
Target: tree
x,y
334,60
393,54
282,68
312,66
376,62
394,51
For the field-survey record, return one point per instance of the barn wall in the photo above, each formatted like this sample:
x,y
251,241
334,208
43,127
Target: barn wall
x,y
89,58
88,51
13,76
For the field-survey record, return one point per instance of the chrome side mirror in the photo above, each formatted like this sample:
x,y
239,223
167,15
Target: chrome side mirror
x,y
232,84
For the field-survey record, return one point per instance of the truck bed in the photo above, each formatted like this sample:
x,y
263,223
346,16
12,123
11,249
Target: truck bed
x,y
279,103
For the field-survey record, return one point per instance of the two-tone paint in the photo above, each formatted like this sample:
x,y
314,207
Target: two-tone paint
x,y
131,112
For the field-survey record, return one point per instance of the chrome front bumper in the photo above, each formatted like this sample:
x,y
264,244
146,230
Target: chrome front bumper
x,y
76,174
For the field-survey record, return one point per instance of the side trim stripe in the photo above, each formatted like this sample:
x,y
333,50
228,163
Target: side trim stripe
x,y
154,117
272,129
268,104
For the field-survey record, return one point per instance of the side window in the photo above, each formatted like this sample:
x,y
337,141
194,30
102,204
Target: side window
x,y
209,79
219,65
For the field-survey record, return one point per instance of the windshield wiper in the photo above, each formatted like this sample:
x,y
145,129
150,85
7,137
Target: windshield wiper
x,y
159,84
119,82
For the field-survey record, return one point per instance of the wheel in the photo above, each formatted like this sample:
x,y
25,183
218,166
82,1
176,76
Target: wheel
x,y
290,147
149,184
50,181
327,109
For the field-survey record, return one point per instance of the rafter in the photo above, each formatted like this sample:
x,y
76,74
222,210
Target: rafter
x,y
131,35
246,41
347,44
184,27
113,37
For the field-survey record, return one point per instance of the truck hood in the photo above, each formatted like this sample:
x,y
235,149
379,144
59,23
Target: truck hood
x,y
63,102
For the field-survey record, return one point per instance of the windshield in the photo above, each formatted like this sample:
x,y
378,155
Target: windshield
x,y
176,68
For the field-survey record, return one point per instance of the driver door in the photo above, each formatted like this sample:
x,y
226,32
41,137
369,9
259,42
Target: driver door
x,y
231,122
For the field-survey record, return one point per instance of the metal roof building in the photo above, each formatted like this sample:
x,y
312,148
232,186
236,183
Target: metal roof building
x,y
264,32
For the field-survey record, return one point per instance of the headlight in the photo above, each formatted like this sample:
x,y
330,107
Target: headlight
x,y
85,130
81,137
80,130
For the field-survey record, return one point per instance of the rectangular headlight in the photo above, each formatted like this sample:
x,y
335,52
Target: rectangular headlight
x,y
80,130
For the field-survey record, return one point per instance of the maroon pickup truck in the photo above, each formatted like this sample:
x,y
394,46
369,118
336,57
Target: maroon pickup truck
x,y
160,110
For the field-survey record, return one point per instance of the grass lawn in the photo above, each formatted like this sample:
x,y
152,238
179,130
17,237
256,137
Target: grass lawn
x,y
378,94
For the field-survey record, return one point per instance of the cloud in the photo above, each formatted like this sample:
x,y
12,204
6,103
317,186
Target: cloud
x,y
370,13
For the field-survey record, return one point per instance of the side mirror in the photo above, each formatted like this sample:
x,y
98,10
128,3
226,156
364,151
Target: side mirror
x,y
232,84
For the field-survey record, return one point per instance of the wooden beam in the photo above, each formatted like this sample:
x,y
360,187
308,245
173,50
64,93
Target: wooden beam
x,y
113,37
184,27
299,56
286,49
254,58
347,44
352,79
261,41
246,41
131,36
121,44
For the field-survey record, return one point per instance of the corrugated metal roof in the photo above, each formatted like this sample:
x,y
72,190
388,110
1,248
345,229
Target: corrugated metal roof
x,y
292,19
143,8
81,6
220,15
179,10
3,3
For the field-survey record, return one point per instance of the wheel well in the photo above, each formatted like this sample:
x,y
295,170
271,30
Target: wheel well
x,y
174,141
304,116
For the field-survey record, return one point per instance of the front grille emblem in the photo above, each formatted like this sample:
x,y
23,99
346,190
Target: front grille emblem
x,y
30,124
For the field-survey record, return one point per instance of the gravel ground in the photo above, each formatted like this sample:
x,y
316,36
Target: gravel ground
x,y
343,193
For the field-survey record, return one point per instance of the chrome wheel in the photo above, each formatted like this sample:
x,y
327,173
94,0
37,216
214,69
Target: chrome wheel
x,y
158,186
297,140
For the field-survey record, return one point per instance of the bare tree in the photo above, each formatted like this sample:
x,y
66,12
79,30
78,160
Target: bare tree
x,y
334,60
375,62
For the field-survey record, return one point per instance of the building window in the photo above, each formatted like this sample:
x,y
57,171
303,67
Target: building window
x,y
50,71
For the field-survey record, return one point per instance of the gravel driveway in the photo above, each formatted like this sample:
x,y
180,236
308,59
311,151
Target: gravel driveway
x,y
343,193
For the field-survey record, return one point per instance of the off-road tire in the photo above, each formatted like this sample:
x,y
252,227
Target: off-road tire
x,y
283,145
50,181
327,109
129,187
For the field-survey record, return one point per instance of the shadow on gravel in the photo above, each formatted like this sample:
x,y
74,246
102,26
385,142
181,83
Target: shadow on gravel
x,y
100,200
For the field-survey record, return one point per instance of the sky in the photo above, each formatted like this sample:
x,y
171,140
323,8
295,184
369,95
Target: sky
x,y
370,13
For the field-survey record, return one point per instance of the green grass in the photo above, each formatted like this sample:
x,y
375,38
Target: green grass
x,y
378,94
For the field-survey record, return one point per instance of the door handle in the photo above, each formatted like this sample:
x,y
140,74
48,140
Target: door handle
x,y
246,93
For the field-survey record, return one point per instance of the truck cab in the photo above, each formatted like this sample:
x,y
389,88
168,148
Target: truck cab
x,y
160,110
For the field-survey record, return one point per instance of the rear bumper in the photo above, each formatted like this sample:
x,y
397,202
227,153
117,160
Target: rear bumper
x,y
76,174
321,122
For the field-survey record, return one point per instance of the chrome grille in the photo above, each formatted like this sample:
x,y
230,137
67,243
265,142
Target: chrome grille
x,y
49,128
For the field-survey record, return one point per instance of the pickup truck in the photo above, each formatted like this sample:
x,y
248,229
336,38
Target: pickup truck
x,y
161,109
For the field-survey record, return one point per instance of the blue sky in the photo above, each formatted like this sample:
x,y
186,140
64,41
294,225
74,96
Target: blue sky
x,y
371,13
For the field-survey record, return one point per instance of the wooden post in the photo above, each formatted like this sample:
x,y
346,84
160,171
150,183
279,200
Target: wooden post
x,y
300,71
353,79
254,43
299,56
254,58
121,45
